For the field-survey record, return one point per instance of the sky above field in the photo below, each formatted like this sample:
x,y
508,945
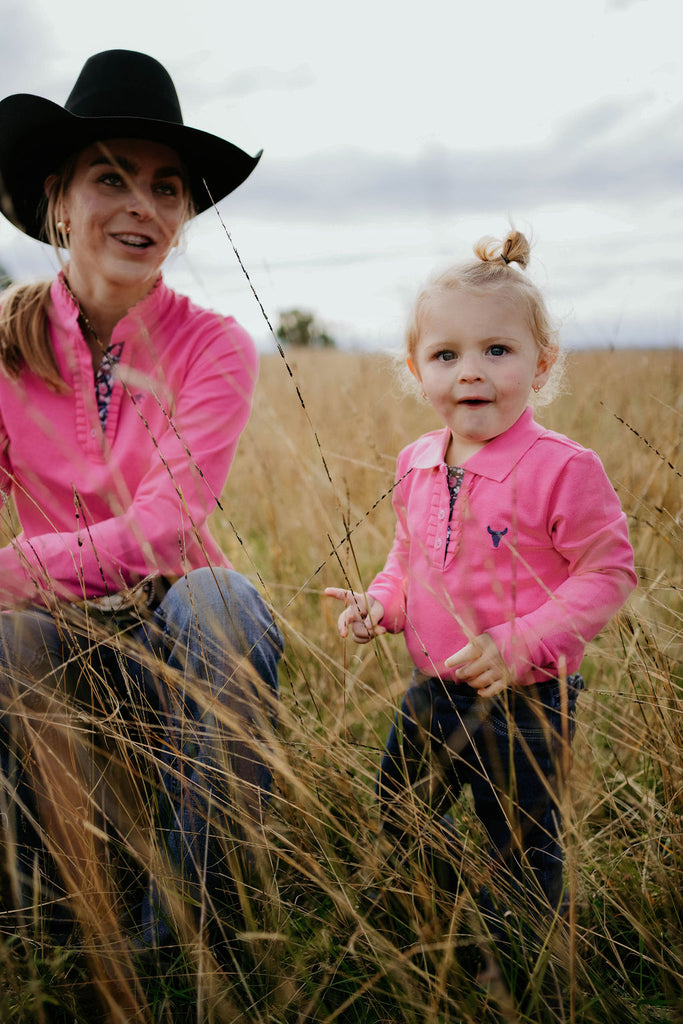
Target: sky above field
x,y
395,134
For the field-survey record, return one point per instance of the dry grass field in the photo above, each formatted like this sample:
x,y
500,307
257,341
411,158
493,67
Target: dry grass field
x,y
308,506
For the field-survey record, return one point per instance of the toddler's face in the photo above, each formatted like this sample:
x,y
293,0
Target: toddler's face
x,y
477,361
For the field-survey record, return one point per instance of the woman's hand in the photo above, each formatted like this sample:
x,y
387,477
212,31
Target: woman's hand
x,y
480,665
361,613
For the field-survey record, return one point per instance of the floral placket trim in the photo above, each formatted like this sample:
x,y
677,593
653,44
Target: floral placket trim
x,y
456,475
104,380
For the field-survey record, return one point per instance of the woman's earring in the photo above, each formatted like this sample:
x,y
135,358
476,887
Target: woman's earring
x,y
536,387
63,228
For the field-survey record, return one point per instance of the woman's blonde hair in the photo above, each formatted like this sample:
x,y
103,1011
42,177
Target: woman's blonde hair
x,y
493,270
24,334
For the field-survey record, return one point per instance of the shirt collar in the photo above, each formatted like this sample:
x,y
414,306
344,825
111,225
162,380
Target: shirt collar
x,y
495,460
147,310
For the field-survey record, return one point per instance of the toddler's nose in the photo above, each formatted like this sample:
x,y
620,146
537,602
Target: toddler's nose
x,y
470,369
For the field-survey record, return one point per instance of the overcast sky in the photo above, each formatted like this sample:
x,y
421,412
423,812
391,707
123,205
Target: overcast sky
x,y
395,134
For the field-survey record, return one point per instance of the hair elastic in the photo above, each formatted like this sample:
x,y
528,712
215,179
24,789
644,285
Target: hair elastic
x,y
505,259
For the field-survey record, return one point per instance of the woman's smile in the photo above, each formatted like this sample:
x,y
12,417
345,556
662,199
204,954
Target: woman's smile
x,y
134,241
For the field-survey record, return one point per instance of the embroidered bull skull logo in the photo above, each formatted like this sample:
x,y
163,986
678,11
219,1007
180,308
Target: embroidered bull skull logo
x,y
497,535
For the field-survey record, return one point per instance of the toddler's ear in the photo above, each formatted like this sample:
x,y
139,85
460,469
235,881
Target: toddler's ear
x,y
546,361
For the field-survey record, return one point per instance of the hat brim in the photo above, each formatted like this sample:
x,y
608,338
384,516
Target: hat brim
x,y
37,136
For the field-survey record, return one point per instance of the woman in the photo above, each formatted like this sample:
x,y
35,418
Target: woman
x,y
129,648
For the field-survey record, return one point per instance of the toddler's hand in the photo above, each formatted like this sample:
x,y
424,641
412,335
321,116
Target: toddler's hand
x,y
361,613
480,665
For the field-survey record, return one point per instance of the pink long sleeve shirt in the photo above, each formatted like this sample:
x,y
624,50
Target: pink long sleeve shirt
x,y
99,511
538,556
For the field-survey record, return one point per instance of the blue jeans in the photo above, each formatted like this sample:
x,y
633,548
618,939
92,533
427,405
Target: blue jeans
x,y
195,688
511,750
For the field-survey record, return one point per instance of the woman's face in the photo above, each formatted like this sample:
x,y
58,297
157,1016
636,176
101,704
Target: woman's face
x,y
124,208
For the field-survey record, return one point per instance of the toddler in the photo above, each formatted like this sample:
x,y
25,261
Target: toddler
x,y
511,552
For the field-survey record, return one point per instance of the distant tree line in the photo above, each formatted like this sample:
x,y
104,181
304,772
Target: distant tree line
x,y
298,327
5,279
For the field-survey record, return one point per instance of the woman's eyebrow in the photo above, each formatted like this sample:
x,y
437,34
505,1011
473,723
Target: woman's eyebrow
x,y
122,162
130,167
169,171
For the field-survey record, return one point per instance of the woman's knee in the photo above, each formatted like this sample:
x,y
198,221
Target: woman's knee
x,y
216,605
30,647
204,591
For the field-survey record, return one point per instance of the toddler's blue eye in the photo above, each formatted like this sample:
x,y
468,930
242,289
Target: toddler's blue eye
x,y
445,356
498,350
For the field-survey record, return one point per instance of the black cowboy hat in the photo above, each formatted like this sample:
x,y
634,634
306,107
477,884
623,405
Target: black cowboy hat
x,y
118,94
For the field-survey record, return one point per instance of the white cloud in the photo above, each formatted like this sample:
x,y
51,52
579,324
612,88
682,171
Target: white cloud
x,y
395,135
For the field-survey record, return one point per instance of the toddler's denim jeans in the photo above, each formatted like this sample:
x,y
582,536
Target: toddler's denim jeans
x,y
511,750
194,688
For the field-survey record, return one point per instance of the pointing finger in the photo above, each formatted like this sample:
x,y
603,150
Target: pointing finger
x,y
462,656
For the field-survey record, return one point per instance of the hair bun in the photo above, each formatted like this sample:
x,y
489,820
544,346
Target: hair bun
x,y
514,248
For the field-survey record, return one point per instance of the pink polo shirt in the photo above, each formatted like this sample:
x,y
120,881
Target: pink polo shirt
x,y
99,511
538,557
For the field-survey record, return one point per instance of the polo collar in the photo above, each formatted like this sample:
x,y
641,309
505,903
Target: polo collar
x,y
148,310
495,460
